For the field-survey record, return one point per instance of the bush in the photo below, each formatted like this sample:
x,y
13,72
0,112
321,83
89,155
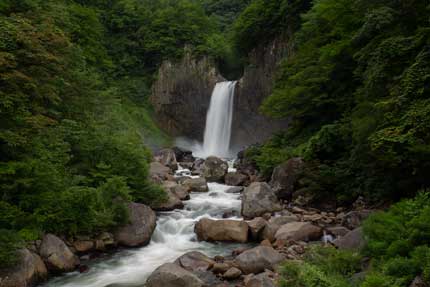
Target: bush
x,y
10,242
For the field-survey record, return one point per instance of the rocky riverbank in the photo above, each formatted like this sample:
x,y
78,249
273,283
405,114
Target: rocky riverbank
x,y
278,229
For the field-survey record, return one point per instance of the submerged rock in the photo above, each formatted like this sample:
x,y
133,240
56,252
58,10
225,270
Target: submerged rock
x,y
141,226
258,199
172,275
221,230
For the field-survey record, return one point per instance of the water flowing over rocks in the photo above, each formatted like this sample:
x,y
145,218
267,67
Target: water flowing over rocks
x,y
222,230
258,199
57,255
138,231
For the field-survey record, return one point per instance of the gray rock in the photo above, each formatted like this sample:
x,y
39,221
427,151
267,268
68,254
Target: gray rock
x,y
183,155
338,231
285,176
418,282
258,259
256,226
29,270
220,268
179,190
274,224
353,240
173,202
172,275
195,261
235,189
167,158
196,184
138,232
56,255
354,219
158,172
83,246
258,199
221,230
299,231
232,273
214,169
236,179
260,280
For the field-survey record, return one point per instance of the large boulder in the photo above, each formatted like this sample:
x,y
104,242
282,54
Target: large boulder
x,y
171,203
353,240
179,190
258,259
258,199
138,232
167,158
29,270
183,155
158,172
354,219
274,224
299,231
221,230
196,184
173,275
57,255
235,179
256,227
195,261
214,169
265,279
285,177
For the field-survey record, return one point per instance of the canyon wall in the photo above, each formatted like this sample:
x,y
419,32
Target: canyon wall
x,y
181,95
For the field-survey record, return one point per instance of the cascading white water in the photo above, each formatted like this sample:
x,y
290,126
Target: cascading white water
x,y
218,121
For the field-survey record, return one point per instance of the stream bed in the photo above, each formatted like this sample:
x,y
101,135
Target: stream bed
x,y
173,236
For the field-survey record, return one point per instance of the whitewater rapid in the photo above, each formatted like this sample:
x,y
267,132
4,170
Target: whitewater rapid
x,y
173,236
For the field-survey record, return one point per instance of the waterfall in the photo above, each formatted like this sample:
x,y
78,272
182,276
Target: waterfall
x,y
218,120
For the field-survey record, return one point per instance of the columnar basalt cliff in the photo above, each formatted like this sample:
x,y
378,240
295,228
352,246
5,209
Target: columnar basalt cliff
x,y
249,125
181,95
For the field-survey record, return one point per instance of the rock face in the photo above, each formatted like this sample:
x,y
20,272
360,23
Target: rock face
x,y
57,255
196,184
195,261
183,155
298,231
142,222
214,169
285,176
235,179
221,230
172,275
167,158
258,259
353,240
258,199
182,93
29,270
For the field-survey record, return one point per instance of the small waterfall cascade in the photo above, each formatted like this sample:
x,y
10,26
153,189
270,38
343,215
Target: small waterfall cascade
x,y
218,121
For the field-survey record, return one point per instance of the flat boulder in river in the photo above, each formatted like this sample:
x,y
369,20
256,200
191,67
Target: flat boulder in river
x,y
138,232
258,259
258,199
173,275
221,230
196,184
195,261
214,169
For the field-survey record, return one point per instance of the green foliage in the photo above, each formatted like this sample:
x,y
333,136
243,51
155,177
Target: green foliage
x,y
10,242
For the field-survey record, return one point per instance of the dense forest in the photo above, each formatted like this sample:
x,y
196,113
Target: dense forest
x,y
76,127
